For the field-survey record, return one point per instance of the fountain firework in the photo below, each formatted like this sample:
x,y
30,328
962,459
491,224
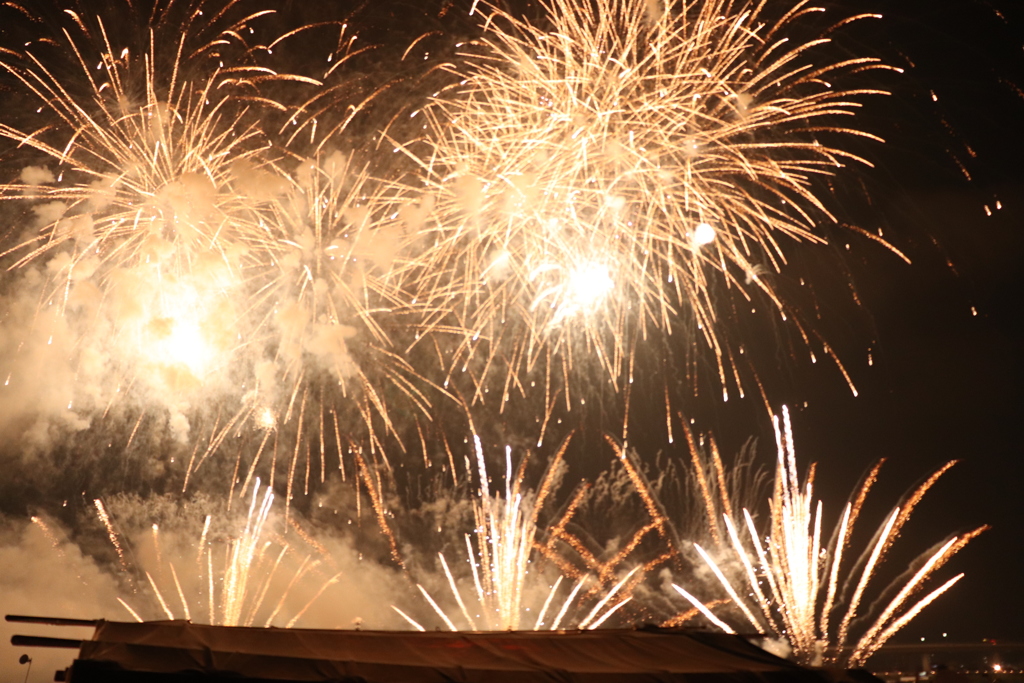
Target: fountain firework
x,y
503,560
240,578
805,582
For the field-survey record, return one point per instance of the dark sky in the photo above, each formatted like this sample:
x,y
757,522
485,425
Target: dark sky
x,y
946,383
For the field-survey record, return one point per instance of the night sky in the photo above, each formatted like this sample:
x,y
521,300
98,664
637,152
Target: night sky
x,y
945,333
947,383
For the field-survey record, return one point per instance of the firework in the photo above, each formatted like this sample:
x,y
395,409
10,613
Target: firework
x,y
796,581
141,232
622,168
189,258
616,172
503,562
243,580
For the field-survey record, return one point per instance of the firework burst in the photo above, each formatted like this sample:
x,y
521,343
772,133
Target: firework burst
x,y
139,230
143,155
198,261
624,167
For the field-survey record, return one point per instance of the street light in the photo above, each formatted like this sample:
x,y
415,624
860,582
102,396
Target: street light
x,y
25,659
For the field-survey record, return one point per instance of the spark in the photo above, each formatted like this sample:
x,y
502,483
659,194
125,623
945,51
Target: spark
x,y
101,512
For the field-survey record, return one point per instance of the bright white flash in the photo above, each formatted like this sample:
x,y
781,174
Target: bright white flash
x,y
266,419
186,345
588,285
175,333
579,291
703,234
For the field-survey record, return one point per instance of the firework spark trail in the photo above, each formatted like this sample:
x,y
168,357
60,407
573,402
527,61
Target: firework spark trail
x,y
623,171
803,575
505,534
702,608
655,511
50,536
237,582
101,512
701,477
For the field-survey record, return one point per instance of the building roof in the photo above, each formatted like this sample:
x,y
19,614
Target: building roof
x,y
178,650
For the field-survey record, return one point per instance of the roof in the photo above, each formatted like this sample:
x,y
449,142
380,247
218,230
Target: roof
x,y
179,650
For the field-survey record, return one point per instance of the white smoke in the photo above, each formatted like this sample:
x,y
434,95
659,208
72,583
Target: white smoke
x,y
47,576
